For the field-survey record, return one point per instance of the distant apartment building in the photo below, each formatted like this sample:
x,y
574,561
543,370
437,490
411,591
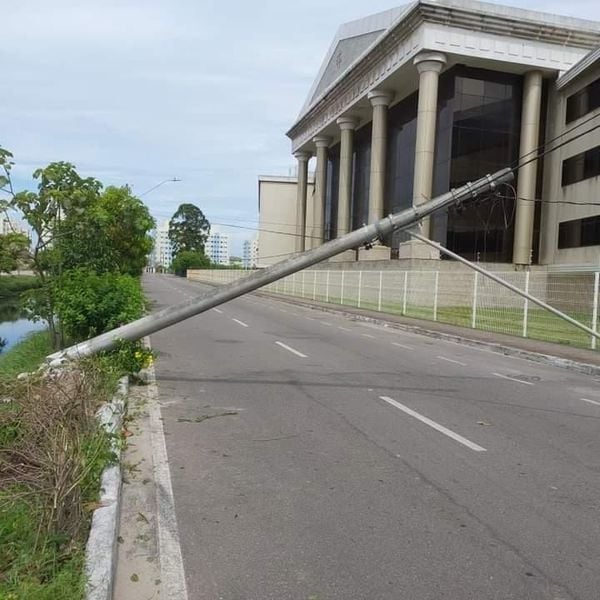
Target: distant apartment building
x,y
13,226
217,248
250,254
163,251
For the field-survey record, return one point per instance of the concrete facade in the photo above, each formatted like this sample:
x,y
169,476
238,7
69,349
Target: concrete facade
x,y
578,200
277,207
409,56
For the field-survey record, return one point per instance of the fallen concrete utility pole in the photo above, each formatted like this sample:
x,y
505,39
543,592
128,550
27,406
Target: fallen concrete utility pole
x,y
365,235
504,283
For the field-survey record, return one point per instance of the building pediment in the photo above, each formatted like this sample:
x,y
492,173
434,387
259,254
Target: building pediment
x,y
365,53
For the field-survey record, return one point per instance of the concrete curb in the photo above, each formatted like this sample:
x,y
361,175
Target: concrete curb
x,y
546,359
101,548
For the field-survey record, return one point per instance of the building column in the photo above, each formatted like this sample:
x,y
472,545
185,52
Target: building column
x,y
347,126
380,100
527,176
302,186
429,66
317,226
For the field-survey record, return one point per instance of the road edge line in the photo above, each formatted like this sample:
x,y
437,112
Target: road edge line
x,y
173,584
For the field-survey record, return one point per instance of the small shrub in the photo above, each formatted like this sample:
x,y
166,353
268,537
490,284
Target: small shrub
x,y
88,303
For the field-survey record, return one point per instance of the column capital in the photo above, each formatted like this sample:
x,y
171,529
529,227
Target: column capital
x,y
380,97
347,122
429,61
302,155
322,141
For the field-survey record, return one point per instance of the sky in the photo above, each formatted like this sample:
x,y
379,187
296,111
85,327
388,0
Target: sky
x,y
140,91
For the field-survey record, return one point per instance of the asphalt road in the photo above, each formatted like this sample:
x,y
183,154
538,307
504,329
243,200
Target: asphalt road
x,y
342,460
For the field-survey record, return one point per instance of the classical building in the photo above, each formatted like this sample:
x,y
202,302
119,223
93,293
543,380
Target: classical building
x,y
217,248
419,99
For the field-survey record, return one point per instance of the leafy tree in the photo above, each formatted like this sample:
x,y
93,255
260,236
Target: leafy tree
x,y
189,260
76,225
62,197
188,229
112,235
14,248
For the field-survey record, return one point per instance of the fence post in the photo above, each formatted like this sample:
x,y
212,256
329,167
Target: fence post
x,y
327,287
359,288
526,305
379,297
435,295
474,307
595,308
314,285
404,292
342,288
303,284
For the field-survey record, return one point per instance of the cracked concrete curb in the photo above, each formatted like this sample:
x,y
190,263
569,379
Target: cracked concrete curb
x,y
546,359
101,548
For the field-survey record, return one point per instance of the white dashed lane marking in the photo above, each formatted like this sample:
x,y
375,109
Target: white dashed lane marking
x,y
590,401
405,346
451,360
451,434
290,349
512,379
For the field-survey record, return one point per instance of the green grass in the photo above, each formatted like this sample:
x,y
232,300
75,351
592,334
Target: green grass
x,y
32,567
42,550
25,356
541,325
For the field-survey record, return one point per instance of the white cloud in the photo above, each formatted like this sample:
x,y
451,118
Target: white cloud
x,y
137,91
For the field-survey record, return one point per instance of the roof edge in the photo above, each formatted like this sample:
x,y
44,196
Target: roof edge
x,y
578,69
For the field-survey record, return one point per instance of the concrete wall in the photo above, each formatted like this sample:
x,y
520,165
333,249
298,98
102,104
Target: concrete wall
x,y
588,190
277,210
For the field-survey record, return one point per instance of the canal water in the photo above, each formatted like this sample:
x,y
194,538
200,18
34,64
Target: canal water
x,y
14,326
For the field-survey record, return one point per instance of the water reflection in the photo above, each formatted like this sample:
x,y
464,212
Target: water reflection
x,y
14,325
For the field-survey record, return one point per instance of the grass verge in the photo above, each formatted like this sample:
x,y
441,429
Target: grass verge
x,y
26,356
541,325
52,454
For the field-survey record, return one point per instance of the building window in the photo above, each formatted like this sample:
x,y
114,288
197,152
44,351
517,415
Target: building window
x,y
331,192
584,101
579,233
581,166
361,171
479,119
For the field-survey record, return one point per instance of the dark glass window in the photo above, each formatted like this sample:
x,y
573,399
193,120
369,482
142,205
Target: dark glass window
x,y
579,233
402,134
479,114
361,176
332,191
584,101
581,166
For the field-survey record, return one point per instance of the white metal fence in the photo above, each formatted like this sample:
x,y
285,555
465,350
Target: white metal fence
x,y
454,296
